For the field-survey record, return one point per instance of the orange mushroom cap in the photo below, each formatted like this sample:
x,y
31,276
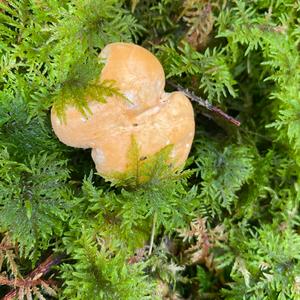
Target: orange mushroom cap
x,y
155,118
137,73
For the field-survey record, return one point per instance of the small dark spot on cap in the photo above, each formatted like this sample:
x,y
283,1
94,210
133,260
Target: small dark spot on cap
x,y
135,124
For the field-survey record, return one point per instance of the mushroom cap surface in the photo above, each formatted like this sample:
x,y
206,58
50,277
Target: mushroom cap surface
x,y
154,118
137,73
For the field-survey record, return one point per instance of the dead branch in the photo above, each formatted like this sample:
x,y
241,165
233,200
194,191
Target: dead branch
x,y
205,103
33,278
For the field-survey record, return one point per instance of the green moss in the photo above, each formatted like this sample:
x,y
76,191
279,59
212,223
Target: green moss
x,y
245,179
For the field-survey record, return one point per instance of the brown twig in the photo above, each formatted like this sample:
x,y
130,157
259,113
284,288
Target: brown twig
x,y
33,278
205,103
138,256
22,283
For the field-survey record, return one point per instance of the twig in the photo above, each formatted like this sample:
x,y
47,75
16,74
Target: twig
x,y
21,283
33,277
138,256
205,103
152,234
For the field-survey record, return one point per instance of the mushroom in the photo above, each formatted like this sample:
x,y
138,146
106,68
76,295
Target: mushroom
x,y
153,117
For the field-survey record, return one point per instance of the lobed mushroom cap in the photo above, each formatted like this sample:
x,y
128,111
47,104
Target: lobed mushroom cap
x,y
156,120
